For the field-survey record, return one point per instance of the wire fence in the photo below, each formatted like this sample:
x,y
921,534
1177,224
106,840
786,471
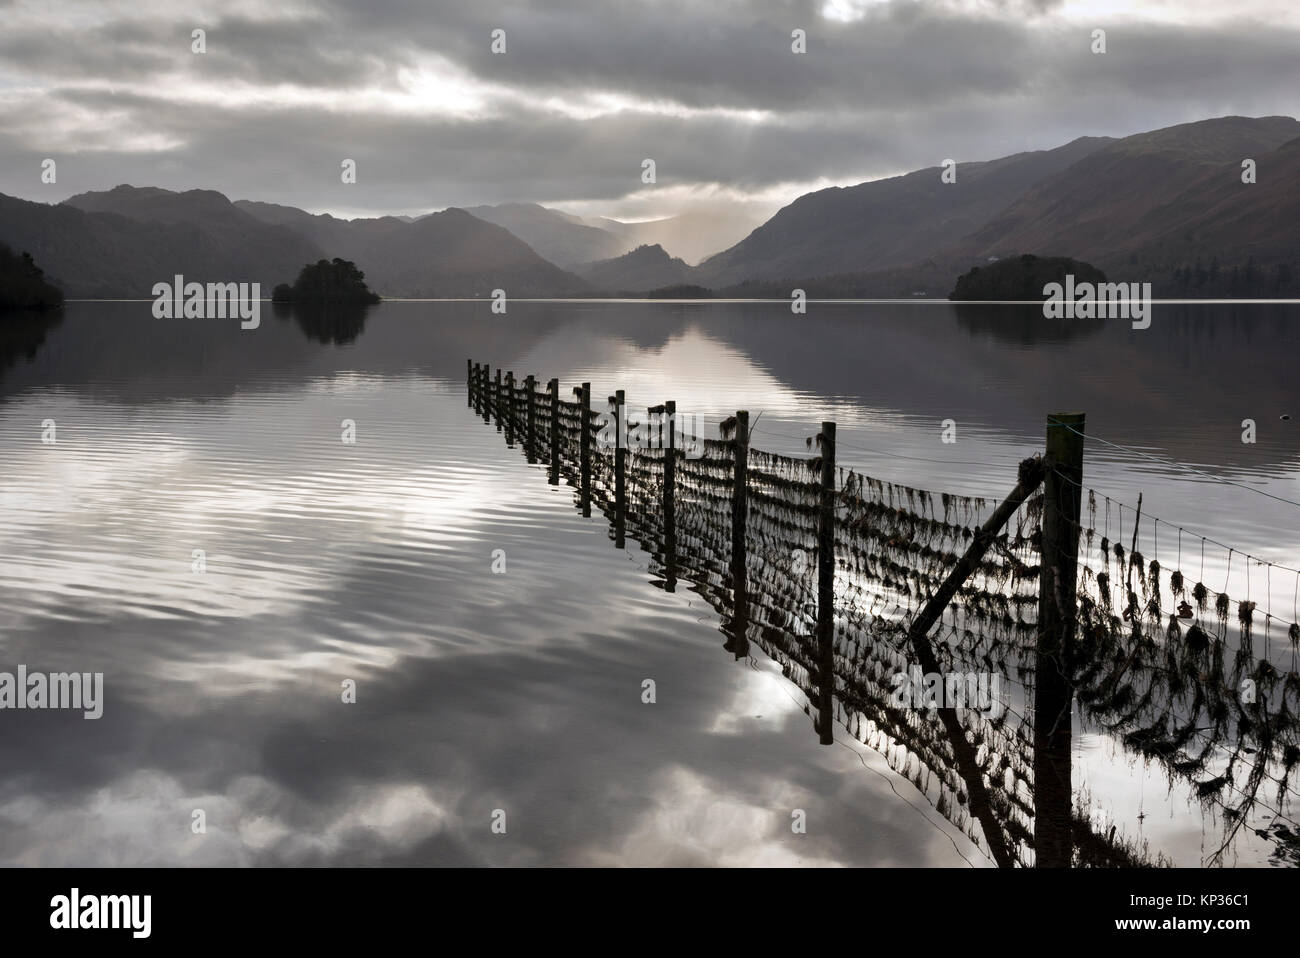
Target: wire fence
x,y
827,570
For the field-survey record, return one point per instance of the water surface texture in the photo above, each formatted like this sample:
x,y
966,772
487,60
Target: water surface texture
x,y
328,561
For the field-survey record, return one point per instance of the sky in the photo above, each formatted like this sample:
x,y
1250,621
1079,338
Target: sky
x,y
586,90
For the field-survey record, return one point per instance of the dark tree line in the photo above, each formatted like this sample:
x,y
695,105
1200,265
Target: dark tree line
x,y
23,284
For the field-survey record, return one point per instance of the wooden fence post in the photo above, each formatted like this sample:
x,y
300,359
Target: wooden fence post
x,y
530,437
620,463
826,590
510,408
497,406
469,381
554,385
739,638
670,498
584,450
1053,692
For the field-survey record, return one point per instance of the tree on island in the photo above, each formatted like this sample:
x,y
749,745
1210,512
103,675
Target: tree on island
x,y
23,284
1022,277
327,281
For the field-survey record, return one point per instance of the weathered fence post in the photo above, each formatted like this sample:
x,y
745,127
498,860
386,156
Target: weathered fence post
x,y
510,408
620,480
530,440
498,408
738,639
554,386
469,382
670,498
584,450
484,396
1062,506
826,590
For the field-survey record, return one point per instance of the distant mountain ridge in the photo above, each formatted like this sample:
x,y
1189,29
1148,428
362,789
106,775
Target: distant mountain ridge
x,y
105,254
118,243
559,237
1167,206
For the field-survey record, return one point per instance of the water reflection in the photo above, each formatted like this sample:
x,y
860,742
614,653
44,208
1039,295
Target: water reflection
x,y
332,324
1022,326
519,691
22,333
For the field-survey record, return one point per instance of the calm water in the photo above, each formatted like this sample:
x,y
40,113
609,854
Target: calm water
x,y
371,562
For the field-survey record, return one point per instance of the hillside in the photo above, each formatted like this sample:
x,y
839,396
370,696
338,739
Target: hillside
x,y
564,240
109,255
886,223
1153,201
692,236
447,254
645,268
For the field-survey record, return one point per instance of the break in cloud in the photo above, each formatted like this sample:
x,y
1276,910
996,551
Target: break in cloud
x,y
585,91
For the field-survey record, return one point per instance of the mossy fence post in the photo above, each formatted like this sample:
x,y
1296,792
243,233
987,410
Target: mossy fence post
x,y
498,407
739,644
553,387
670,497
1062,508
510,409
584,449
530,440
826,589
620,479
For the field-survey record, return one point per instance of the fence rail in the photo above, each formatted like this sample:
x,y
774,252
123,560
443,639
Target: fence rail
x,y
853,585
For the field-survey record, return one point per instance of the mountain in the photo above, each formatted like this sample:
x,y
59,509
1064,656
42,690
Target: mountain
x,y
446,254
328,232
453,253
105,254
645,268
1166,206
1153,201
559,237
886,223
692,236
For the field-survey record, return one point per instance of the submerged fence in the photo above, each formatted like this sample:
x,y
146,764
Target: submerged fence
x,y
949,633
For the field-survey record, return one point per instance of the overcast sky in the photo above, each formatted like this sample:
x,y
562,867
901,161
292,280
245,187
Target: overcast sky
x,y
587,89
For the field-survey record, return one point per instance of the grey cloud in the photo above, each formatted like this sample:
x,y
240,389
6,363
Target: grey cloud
x,y
902,88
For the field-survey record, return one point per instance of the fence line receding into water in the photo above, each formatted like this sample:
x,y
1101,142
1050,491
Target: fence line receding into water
x,y
865,591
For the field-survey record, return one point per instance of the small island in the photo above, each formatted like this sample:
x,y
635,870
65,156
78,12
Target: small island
x,y
23,284
1021,278
327,281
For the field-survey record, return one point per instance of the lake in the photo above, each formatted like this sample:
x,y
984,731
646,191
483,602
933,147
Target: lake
x,y
515,699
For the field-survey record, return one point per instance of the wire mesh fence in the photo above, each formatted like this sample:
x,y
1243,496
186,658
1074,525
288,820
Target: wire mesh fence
x,y
828,571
